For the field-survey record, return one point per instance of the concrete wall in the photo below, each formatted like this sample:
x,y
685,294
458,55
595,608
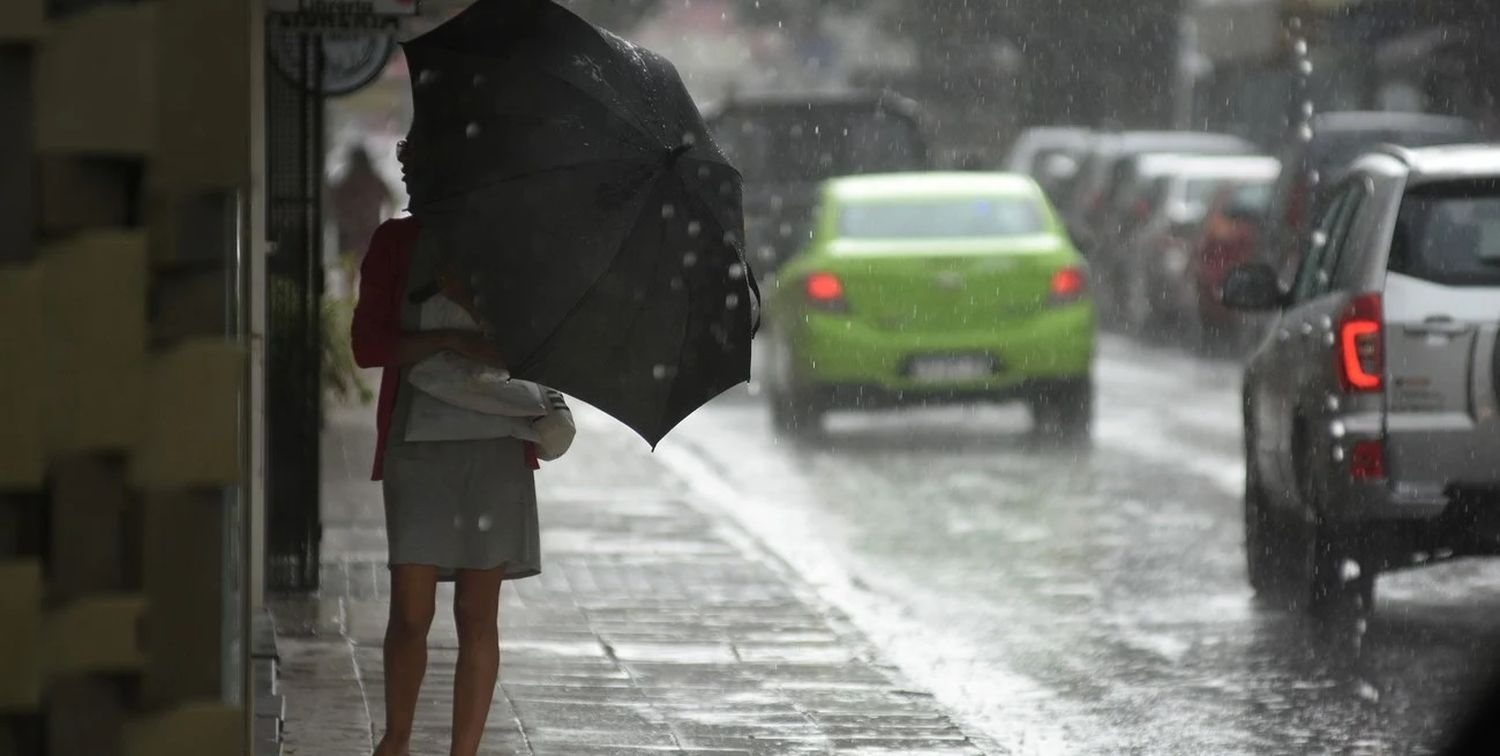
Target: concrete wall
x,y
126,236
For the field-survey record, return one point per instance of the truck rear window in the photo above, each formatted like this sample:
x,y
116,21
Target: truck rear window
x,y
1449,233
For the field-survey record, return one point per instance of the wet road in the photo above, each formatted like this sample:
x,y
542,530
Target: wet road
x,y
1092,601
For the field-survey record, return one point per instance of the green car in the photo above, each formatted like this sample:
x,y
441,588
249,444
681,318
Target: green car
x,y
923,288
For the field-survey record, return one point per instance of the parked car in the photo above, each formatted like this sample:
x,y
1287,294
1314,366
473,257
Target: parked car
x,y
1108,169
786,145
1052,155
1371,420
1134,204
1159,297
1226,241
1140,197
929,288
1331,141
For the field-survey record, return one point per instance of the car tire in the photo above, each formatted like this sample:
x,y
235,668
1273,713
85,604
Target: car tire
x,y
1316,582
1262,550
1065,409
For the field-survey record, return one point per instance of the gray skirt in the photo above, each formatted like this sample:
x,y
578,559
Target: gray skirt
x,y
462,505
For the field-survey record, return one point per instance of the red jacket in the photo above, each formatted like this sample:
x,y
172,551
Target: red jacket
x,y
377,319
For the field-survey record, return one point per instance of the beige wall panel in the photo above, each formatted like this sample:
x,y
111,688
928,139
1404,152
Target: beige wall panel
x,y
94,321
183,569
190,436
22,379
204,95
96,82
21,20
188,730
20,635
95,634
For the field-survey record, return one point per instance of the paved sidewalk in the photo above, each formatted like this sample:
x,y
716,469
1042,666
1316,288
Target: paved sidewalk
x,y
649,631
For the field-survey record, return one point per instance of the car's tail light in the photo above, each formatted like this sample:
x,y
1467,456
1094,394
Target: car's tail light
x,y
1068,285
1367,460
825,291
1359,349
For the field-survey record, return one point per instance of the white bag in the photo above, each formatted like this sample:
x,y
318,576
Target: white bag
x,y
464,383
555,430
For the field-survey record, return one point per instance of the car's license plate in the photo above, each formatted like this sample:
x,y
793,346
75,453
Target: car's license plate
x,y
953,368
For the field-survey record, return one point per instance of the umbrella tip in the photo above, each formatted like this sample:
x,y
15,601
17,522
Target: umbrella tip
x,y
677,152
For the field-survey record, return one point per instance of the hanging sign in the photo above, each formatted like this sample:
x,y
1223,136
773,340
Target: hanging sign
x,y
382,16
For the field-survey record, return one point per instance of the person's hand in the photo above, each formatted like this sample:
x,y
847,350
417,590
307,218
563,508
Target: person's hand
x,y
476,347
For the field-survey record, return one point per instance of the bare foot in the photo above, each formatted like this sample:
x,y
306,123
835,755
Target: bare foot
x,y
389,747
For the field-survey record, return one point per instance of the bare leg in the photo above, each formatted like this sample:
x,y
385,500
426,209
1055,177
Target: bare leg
x,y
413,591
476,607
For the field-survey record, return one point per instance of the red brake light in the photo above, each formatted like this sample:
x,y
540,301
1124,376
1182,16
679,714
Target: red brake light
x,y
1359,349
1367,460
1068,284
824,289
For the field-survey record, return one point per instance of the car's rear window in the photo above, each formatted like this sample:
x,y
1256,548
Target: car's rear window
x,y
1449,233
1254,197
977,217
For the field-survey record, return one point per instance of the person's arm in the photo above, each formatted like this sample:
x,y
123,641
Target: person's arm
x,y
376,334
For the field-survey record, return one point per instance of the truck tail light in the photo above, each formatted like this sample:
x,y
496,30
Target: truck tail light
x,y
1367,460
1359,349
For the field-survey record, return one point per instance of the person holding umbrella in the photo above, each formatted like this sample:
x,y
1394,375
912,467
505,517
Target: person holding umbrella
x,y
461,511
563,180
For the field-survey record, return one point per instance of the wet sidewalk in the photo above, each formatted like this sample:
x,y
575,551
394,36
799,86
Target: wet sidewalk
x,y
655,627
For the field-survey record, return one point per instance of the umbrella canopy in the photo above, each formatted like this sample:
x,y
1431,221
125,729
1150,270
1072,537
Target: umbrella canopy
x,y
567,173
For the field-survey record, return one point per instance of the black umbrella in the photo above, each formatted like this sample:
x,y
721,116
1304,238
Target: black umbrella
x,y
569,175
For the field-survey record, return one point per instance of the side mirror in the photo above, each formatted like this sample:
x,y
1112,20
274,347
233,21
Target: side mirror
x,y
1252,287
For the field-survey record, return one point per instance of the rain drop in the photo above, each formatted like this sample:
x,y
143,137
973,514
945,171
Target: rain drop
x,y
668,212
472,130
689,138
1300,47
1305,67
484,522
1349,570
676,284
427,76
1305,132
736,271
458,522
730,239
690,259
694,228
478,80
659,372
786,229
703,171
732,300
